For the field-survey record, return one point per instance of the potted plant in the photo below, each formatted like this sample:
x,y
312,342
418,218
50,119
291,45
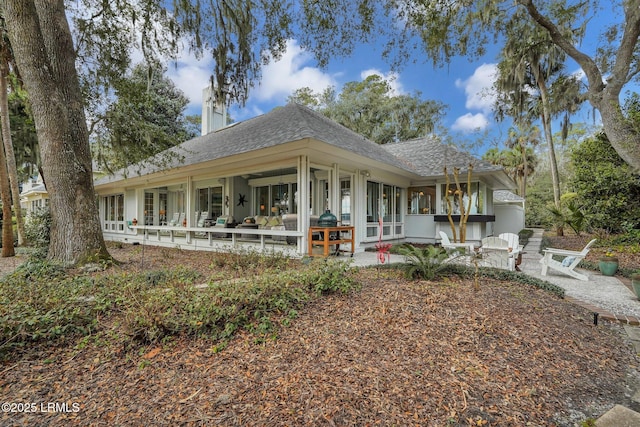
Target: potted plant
x,y
635,283
608,264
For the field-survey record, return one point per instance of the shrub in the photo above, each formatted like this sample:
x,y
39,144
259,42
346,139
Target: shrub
x,y
39,302
608,189
246,261
524,235
225,306
37,231
331,276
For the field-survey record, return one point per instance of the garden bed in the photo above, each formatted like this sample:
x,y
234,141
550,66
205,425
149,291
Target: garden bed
x,y
397,352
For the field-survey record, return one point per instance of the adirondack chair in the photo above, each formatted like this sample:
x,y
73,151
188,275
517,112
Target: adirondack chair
x,y
499,253
514,242
513,239
174,220
570,260
448,244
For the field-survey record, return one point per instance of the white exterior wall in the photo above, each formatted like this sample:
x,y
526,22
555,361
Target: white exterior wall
x,y
509,219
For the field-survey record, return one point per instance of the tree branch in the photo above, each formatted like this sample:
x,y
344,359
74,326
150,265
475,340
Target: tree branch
x,y
585,61
621,69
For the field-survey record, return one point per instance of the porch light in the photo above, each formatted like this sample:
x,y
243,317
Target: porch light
x,y
365,173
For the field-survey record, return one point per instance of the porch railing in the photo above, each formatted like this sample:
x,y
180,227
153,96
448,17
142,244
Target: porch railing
x,y
216,235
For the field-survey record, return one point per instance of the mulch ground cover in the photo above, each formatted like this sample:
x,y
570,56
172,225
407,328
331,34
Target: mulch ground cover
x,y
397,352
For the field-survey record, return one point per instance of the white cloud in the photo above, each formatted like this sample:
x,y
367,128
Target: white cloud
x,y
191,75
479,94
479,88
392,78
280,78
470,123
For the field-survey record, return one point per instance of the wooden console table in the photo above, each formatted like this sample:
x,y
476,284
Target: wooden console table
x,y
326,242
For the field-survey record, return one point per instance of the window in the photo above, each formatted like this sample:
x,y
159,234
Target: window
x,y
383,202
210,200
345,201
262,196
475,196
113,212
373,201
162,207
148,208
277,199
422,200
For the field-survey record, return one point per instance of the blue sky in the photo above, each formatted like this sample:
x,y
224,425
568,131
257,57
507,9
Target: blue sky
x,y
462,85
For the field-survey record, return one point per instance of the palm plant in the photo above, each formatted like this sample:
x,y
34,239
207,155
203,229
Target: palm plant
x,y
423,263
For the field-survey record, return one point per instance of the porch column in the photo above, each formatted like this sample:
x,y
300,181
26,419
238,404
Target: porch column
x,y
334,189
359,206
189,207
303,202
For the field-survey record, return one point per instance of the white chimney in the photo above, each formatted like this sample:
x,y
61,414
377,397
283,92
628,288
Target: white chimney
x,y
214,111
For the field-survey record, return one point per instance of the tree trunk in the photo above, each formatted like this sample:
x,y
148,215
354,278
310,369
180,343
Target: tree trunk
x,y
525,165
449,206
8,149
5,190
44,52
546,125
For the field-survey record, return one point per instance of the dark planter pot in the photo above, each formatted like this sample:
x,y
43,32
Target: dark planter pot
x,y
608,266
635,283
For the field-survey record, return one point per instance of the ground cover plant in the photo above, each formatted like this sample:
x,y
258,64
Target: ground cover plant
x,y
384,349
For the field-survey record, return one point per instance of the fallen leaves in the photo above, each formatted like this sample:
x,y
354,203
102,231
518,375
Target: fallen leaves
x,y
395,353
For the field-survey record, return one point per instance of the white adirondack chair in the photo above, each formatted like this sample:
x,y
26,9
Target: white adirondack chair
x,y
500,253
174,220
448,244
513,239
570,260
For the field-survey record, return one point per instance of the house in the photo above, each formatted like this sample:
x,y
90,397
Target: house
x,y
276,173
33,195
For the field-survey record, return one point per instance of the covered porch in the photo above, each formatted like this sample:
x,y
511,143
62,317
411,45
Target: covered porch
x,y
261,209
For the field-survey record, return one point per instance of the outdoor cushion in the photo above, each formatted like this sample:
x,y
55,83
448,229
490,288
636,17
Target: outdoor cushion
x,y
273,221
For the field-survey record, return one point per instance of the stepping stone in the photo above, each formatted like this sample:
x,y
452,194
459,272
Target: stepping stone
x,y
619,416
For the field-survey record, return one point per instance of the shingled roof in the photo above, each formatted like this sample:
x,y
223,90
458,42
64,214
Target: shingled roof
x,y
292,122
427,156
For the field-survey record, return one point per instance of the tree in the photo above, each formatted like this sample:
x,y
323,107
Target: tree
x,y
146,118
46,56
452,28
5,188
44,52
23,132
370,108
6,61
530,65
522,139
519,166
608,193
